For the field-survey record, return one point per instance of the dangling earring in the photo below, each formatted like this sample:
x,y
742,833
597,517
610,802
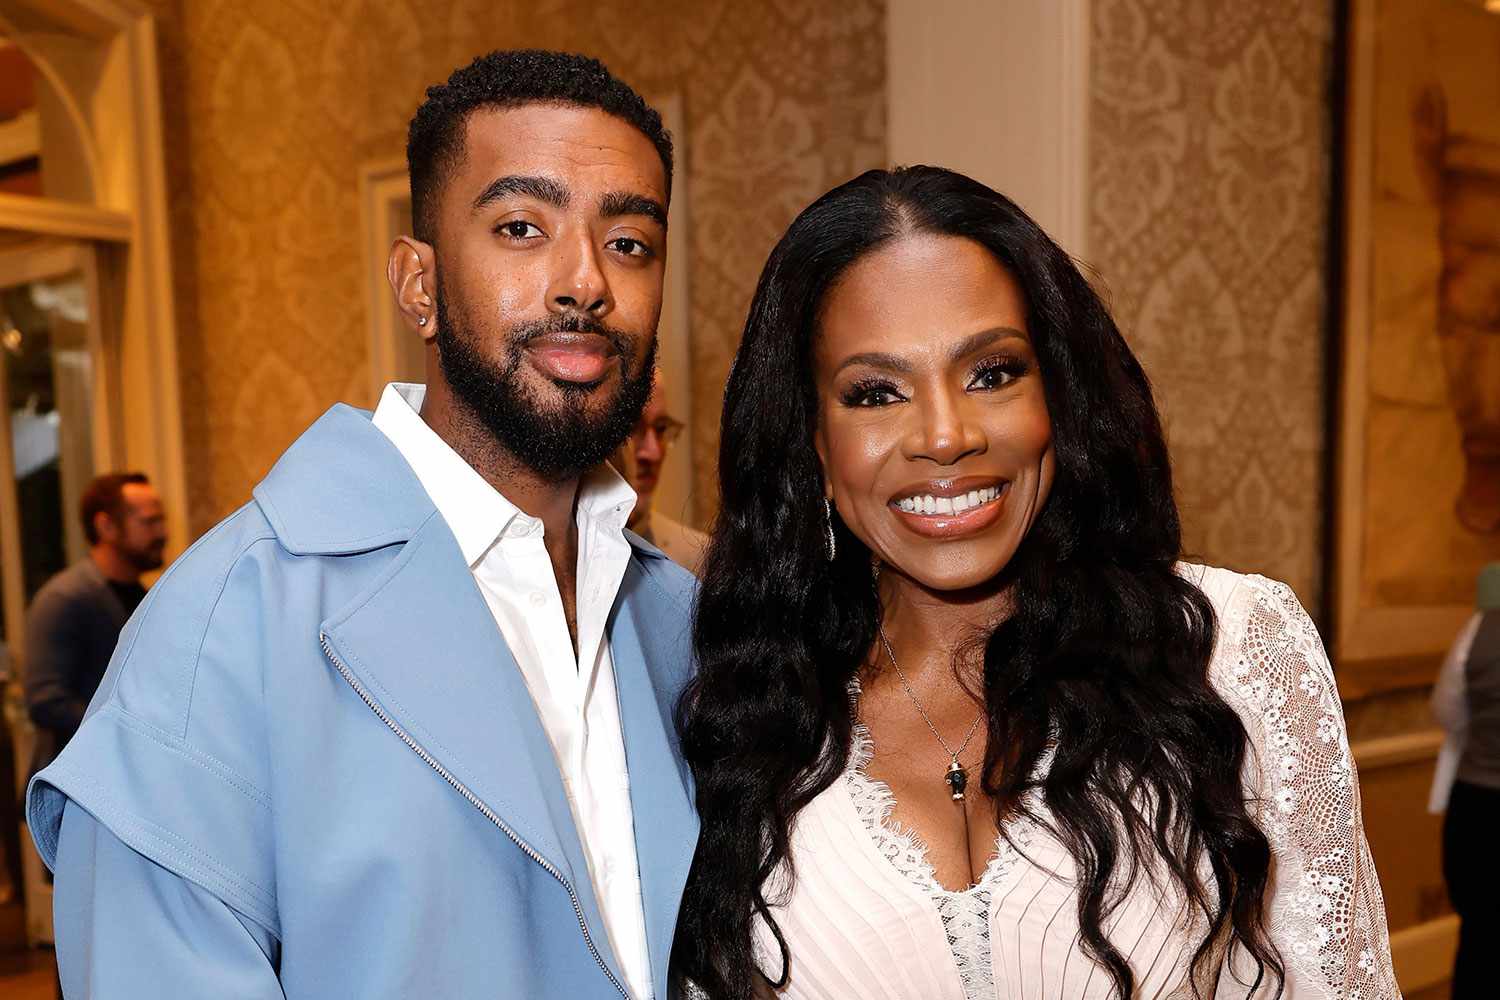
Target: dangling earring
x,y
828,526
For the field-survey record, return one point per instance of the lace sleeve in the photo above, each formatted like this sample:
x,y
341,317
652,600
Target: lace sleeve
x,y
1324,907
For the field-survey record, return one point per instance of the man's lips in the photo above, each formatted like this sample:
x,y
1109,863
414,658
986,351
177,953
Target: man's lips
x,y
572,357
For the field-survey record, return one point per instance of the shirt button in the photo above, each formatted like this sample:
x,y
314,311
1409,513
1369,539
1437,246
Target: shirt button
x,y
538,599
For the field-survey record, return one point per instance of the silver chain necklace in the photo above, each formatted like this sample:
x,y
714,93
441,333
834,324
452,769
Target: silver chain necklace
x,y
956,776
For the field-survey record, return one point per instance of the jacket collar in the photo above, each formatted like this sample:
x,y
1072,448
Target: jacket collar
x,y
341,488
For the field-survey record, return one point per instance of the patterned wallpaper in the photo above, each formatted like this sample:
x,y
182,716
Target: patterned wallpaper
x,y
272,106
1209,149
1209,162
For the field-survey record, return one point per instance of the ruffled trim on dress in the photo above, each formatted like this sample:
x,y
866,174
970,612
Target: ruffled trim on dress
x,y
966,913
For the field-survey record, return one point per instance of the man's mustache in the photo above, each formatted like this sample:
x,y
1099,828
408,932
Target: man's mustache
x,y
524,333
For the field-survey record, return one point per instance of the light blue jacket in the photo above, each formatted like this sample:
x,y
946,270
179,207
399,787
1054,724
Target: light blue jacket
x,y
313,769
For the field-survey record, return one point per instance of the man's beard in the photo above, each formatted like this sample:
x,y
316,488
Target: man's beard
x,y
556,440
144,560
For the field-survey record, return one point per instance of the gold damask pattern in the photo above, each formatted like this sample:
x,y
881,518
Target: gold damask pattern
x,y
272,106
1209,166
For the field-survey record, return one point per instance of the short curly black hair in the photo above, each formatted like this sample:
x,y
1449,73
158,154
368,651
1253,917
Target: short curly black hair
x,y
506,79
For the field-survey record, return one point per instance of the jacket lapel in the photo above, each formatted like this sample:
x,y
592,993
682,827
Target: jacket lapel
x,y
650,646
424,645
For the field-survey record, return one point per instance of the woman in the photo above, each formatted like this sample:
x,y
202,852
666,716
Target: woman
x,y
965,725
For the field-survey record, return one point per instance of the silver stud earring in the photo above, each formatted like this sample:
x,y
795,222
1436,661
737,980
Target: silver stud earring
x,y
421,320
828,526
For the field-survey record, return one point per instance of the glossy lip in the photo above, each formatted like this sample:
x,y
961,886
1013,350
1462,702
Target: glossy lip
x,y
572,357
973,520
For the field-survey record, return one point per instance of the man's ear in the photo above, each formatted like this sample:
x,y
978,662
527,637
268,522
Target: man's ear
x,y
105,528
412,272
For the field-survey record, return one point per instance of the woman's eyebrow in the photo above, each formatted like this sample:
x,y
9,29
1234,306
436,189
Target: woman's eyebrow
x,y
876,359
970,344
982,339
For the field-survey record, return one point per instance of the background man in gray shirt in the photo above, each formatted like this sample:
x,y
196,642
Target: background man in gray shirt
x,y
76,618
1466,702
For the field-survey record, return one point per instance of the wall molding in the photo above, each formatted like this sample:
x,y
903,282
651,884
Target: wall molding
x,y
1423,955
50,217
1393,751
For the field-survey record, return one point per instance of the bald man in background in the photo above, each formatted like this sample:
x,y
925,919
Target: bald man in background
x,y
642,459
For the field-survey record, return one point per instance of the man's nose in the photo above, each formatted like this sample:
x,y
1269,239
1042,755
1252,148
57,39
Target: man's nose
x,y
578,282
648,446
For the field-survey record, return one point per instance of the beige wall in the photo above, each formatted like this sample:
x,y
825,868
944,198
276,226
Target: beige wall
x,y
1209,158
272,107
1014,82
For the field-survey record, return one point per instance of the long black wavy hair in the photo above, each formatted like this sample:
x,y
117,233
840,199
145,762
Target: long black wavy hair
x,y
1104,658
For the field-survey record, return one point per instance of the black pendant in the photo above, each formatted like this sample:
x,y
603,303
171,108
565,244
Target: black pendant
x,y
957,779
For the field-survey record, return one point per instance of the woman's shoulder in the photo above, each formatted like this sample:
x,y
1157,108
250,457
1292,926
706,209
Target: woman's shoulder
x,y
1269,663
1225,588
1249,606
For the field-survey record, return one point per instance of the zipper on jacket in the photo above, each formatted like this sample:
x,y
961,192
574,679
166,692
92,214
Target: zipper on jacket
x,y
487,812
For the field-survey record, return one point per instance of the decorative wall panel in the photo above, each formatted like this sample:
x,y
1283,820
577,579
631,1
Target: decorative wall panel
x,y
1209,173
1419,476
272,106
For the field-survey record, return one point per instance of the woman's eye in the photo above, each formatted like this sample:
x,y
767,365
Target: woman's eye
x,y
995,375
518,229
630,247
870,395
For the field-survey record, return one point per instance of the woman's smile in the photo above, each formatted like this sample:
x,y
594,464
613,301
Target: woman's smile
x,y
951,508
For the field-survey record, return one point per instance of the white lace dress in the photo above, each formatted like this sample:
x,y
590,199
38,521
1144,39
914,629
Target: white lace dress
x,y
867,918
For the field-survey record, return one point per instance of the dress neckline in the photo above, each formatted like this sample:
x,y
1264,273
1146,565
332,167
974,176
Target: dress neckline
x,y
901,847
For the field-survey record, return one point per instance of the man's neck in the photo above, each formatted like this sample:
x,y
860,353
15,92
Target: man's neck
x,y
553,502
640,517
115,567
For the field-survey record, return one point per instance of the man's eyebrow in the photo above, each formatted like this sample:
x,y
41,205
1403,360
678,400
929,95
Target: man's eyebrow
x,y
541,188
618,203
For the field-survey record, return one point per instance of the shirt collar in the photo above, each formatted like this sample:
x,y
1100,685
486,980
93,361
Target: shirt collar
x,y
476,512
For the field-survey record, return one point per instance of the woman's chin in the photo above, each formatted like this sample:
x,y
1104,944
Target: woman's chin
x,y
951,573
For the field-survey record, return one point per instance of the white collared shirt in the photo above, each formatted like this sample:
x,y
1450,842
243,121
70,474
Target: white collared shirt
x,y
575,698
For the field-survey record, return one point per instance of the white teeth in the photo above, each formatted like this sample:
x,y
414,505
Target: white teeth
x,y
928,504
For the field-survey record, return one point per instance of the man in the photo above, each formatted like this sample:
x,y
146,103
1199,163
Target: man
x,y
1466,785
644,456
371,738
76,618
